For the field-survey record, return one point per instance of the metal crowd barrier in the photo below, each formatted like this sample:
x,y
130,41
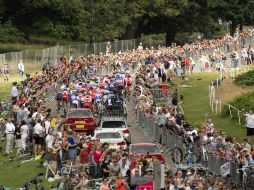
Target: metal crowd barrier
x,y
162,135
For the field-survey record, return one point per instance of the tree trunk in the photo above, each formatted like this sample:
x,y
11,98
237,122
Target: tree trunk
x,y
233,27
132,30
170,37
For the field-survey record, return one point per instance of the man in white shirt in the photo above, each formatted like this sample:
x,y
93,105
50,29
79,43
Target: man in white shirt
x,y
36,134
250,123
14,91
47,125
9,131
21,69
49,141
124,164
37,115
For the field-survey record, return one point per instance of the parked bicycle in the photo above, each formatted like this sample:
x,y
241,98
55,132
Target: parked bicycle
x,y
247,177
189,156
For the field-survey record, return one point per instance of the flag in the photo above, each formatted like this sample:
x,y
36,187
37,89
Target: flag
x,y
145,186
225,169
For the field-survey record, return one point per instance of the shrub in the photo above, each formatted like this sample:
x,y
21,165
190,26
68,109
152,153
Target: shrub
x,y
8,33
245,79
245,102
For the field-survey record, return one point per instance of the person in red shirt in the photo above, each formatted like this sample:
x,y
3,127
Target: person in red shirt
x,y
120,183
187,63
84,155
21,99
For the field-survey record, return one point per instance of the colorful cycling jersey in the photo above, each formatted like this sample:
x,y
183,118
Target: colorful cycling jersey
x,y
73,97
98,97
65,95
88,101
111,86
102,85
128,81
78,87
106,80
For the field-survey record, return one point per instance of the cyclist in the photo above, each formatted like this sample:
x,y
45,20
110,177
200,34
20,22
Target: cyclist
x,y
65,100
127,83
59,100
88,101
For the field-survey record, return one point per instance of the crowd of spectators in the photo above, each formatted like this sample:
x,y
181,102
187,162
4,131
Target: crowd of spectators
x,y
214,141
34,126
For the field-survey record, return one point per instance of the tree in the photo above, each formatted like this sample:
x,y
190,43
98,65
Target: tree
x,y
56,18
236,11
106,20
152,16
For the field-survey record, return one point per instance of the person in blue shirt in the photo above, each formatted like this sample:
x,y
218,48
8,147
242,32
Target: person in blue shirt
x,y
71,148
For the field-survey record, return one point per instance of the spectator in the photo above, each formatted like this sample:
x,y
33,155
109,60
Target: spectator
x,y
21,68
71,148
97,158
250,123
37,133
83,183
6,71
24,134
120,183
9,131
18,137
14,91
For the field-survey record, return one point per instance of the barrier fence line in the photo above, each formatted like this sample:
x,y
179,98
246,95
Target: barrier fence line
x,y
215,102
34,59
169,141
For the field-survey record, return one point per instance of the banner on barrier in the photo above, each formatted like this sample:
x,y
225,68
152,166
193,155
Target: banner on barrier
x,y
146,186
225,169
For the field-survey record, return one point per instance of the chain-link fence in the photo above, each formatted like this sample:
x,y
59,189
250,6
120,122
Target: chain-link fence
x,y
201,57
33,60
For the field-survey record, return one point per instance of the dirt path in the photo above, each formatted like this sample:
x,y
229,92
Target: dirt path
x,y
228,90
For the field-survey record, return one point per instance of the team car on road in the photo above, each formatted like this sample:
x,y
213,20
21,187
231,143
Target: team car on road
x,y
80,119
117,124
113,137
148,150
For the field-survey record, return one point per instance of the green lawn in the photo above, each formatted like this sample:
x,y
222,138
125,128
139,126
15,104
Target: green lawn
x,y
14,175
196,105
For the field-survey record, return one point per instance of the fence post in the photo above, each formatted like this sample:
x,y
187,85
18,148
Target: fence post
x,y
239,119
229,107
150,41
220,104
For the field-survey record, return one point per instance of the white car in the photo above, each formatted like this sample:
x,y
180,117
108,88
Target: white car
x,y
116,123
114,138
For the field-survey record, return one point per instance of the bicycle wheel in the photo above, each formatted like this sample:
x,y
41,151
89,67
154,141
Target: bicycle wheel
x,y
177,155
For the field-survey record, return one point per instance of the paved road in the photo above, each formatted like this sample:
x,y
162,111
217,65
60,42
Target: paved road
x,y
139,135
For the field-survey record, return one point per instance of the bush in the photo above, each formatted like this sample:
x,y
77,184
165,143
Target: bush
x,y
245,102
245,79
8,33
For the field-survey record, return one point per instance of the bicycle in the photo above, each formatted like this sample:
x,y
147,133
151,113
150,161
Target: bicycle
x,y
188,156
247,177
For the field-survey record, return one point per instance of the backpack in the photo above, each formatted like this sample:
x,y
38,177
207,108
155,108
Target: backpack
x,y
59,96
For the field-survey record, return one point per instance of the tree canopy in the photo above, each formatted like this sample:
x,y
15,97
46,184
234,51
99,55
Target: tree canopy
x,y
100,20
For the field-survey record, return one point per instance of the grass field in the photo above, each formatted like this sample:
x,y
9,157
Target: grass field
x,y
196,105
